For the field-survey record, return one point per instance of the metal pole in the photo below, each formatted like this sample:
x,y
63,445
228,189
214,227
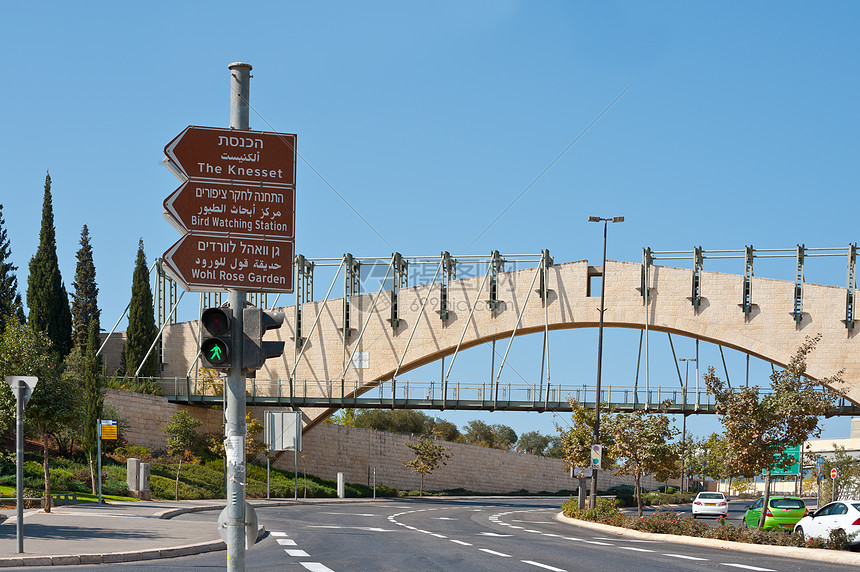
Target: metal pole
x,y
592,502
99,453
235,428
296,479
19,462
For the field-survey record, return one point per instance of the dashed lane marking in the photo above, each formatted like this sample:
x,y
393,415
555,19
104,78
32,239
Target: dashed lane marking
x,y
350,513
496,534
493,552
745,567
633,548
316,567
294,552
685,557
460,542
286,541
279,534
544,566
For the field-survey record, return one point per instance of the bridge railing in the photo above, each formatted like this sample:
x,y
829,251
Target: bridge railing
x,y
469,395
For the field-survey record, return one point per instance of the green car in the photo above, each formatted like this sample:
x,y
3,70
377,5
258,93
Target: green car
x,y
783,512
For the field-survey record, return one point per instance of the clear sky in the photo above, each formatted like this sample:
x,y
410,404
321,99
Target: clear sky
x,y
737,125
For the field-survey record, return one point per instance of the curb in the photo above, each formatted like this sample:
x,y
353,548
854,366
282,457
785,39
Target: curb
x,y
118,557
816,554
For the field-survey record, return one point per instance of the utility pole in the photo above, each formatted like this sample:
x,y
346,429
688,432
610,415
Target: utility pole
x,y
592,501
235,428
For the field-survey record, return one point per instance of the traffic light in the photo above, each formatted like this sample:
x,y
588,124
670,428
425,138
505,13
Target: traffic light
x,y
216,337
255,351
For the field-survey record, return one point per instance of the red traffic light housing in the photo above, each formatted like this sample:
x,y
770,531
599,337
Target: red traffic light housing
x,y
216,337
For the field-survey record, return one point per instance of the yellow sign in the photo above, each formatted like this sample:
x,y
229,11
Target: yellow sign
x,y
109,429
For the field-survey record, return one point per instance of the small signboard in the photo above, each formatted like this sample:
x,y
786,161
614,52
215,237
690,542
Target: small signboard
x,y
29,385
833,474
283,430
108,429
596,456
792,453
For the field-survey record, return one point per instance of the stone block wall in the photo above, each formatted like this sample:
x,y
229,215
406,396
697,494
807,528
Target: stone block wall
x,y
329,449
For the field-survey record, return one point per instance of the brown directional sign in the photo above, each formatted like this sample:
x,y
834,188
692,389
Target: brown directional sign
x,y
235,155
219,261
203,205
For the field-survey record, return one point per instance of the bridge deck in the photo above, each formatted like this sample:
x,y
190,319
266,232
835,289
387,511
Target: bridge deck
x,y
455,396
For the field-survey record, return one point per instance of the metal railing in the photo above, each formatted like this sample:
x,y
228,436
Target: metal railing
x,y
459,395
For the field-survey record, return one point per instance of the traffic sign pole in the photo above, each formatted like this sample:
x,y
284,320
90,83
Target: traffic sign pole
x,y
235,428
19,462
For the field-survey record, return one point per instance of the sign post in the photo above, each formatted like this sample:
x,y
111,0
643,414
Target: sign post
x,y
107,429
22,387
236,209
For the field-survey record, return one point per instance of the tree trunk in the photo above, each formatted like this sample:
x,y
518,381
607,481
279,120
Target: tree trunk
x,y
176,492
764,506
93,473
47,471
636,480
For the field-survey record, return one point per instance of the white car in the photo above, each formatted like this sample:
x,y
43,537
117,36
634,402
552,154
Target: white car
x,y
839,515
710,504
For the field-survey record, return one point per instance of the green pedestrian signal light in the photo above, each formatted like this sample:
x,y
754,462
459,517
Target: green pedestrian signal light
x,y
216,338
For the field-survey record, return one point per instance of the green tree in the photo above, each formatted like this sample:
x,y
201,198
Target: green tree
x,y
429,456
642,444
11,308
54,403
402,421
533,443
847,479
446,430
85,307
183,440
93,398
141,321
759,429
578,436
496,436
46,294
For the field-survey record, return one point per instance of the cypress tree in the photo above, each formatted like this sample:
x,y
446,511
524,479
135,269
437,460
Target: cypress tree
x,y
94,400
46,293
11,308
85,307
141,320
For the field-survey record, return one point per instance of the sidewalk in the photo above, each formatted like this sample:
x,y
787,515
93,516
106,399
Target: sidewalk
x,y
116,532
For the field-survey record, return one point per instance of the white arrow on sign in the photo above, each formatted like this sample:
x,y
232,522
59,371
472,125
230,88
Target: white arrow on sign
x,y
29,385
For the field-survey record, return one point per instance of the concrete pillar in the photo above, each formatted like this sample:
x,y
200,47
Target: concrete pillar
x,y
132,474
144,482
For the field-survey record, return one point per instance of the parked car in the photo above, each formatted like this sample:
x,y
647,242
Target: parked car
x,y
782,512
710,504
841,515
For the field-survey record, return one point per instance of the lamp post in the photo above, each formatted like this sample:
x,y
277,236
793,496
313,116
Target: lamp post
x,y
684,417
592,501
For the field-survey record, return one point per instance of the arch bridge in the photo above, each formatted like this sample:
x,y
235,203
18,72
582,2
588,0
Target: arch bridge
x,y
349,351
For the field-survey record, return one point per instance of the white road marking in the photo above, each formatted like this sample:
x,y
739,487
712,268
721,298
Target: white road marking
x,y
533,521
300,553
438,535
634,549
316,567
460,542
286,542
349,513
532,531
745,567
600,543
279,534
685,557
443,518
493,534
493,552
544,566
367,528
625,540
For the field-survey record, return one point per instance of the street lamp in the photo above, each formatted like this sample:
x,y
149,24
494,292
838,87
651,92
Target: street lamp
x,y
684,417
592,501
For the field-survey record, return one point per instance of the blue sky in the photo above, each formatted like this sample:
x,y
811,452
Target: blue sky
x,y
738,126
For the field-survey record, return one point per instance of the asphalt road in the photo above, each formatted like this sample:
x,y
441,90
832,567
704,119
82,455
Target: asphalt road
x,y
495,535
